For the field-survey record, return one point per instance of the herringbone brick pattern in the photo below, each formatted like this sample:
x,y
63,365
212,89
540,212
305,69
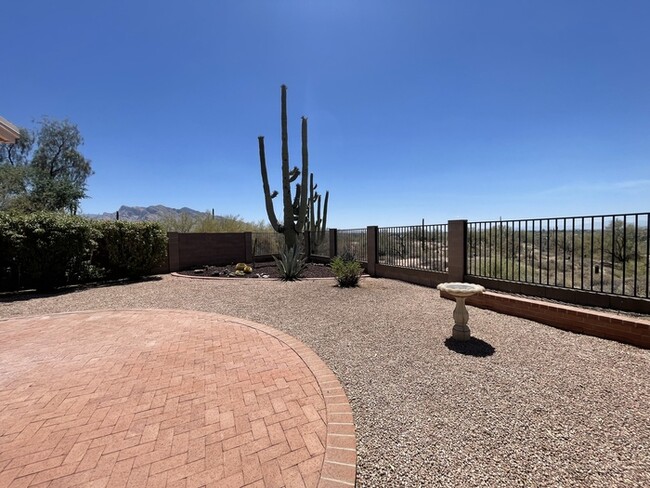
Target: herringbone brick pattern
x,y
166,398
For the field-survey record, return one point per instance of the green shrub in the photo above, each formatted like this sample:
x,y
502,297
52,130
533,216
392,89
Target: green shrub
x,y
45,250
130,249
290,264
347,270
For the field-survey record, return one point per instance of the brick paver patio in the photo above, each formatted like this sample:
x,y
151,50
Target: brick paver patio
x,y
167,398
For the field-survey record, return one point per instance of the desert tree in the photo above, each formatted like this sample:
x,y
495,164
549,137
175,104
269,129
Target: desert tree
x,y
44,169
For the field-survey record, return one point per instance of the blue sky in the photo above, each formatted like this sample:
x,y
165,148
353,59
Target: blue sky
x,y
417,109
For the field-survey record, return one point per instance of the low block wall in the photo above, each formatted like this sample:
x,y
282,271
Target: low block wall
x,y
567,295
629,330
415,276
196,249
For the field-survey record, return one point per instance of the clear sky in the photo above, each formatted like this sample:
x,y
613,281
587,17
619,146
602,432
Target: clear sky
x,y
417,109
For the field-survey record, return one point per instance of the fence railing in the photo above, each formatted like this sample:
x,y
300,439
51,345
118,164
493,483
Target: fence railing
x,y
354,241
603,253
319,243
600,260
607,254
270,243
418,246
267,243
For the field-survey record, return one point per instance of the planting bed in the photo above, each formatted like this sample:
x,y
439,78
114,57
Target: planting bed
x,y
260,270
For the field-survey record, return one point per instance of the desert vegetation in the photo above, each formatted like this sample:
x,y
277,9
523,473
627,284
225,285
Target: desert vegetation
x,y
608,254
604,254
44,170
420,246
353,242
207,222
347,270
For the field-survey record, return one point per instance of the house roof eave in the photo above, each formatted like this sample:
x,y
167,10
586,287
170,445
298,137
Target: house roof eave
x,y
8,131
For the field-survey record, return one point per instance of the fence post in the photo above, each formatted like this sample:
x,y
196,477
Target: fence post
x,y
333,244
457,252
248,247
173,251
372,234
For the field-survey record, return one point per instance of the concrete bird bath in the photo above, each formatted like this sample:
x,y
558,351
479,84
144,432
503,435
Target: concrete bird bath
x,y
460,291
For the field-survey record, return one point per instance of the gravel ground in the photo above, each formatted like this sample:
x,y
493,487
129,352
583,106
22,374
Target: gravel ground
x,y
523,405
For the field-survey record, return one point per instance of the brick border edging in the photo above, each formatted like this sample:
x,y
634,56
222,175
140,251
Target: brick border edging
x,y
340,461
573,319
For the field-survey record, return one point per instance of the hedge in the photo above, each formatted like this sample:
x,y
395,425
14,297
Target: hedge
x,y
130,249
48,250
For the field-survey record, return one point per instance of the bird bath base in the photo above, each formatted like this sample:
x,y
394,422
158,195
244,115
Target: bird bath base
x,y
460,291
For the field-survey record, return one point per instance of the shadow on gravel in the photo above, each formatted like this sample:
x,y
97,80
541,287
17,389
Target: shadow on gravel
x,y
473,347
24,295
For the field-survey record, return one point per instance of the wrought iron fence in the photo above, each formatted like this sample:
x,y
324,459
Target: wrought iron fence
x,y
319,242
602,253
266,243
354,241
418,246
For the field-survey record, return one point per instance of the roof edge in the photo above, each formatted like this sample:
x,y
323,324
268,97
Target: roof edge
x,y
8,131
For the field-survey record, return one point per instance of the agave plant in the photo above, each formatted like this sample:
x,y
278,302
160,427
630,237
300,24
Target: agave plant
x,y
290,264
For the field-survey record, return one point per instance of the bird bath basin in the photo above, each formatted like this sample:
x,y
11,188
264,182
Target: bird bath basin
x,y
460,291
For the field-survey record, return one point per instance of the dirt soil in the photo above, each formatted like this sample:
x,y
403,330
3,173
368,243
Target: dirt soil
x,y
260,270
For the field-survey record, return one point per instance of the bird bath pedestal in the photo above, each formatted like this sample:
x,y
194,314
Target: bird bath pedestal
x,y
460,291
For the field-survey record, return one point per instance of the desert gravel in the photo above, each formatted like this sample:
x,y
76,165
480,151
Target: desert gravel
x,y
532,406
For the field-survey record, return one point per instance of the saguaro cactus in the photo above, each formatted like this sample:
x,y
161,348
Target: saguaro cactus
x,y
296,209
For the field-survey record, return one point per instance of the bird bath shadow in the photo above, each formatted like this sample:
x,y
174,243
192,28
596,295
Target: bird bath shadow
x,y
472,347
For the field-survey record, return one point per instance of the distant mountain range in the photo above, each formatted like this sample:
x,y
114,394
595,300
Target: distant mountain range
x,y
145,214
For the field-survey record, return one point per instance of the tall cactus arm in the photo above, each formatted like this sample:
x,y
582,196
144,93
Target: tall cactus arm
x,y
318,218
268,196
313,194
314,220
286,176
310,210
293,174
302,216
324,222
296,202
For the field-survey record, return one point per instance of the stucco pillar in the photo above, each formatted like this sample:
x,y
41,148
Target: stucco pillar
x,y
457,249
373,249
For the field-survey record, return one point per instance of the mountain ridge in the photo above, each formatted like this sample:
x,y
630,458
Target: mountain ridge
x,y
152,213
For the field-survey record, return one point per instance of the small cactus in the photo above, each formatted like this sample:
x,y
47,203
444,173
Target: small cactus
x,y
240,267
248,269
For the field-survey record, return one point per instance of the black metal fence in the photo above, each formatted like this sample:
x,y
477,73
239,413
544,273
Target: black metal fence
x,y
353,241
418,246
319,243
267,243
602,253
